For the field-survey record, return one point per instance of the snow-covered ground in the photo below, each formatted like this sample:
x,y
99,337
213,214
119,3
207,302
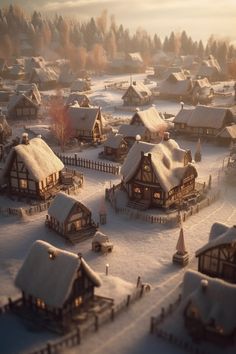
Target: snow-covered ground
x,y
140,249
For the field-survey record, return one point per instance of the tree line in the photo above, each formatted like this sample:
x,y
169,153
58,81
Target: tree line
x,y
91,43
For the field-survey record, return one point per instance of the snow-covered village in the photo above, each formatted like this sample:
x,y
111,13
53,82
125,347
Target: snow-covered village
x,y
117,177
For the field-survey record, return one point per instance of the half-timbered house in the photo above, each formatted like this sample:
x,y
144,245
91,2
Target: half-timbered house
x,y
203,121
208,308
115,148
56,284
70,218
22,107
158,175
137,94
32,169
218,257
86,123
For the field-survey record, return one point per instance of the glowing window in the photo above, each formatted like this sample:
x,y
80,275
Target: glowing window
x,y
40,303
137,190
146,168
157,195
23,184
78,301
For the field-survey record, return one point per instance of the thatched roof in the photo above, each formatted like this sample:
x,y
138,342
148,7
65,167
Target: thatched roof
x,y
176,84
114,141
28,90
167,161
140,89
51,279
83,118
16,99
209,117
62,205
44,75
212,300
151,119
38,158
228,237
228,132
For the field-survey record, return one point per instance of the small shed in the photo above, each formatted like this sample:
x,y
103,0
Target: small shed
x,y
70,218
101,243
137,94
55,283
115,148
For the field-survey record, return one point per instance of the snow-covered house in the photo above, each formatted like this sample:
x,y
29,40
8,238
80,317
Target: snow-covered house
x,y
22,106
218,257
153,123
45,78
134,63
80,85
137,94
202,91
32,169
55,283
210,69
86,123
115,148
158,175
70,218
208,306
101,243
176,86
227,135
130,132
203,121
77,97
31,91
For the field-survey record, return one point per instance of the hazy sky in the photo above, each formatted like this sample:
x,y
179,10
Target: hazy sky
x,y
200,18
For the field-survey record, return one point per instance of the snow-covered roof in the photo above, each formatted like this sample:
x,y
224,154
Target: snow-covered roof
x,y
217,229
204,116
16,98
114,141
44,74
77,96
183,116
212,299
80,85
128,130
228,132
82,118
34,62
100,237
176,84
38,158
228,237
51,279
202,83
28,89
167,161
140,89
209,67
136,57
151,119
17,69
61,206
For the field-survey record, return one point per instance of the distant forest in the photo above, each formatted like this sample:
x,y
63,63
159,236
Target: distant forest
x,y
93,42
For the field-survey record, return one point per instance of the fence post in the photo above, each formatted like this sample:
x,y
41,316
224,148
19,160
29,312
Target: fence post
x,y
138,281
152,324
141,291
96,323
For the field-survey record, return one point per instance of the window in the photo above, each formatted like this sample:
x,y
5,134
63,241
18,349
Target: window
x,y
50,179
157,195
23,184
137,190
40,303
78,301
146,168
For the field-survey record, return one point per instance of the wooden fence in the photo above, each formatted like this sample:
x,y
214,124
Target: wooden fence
x,y
155,328
76,335
90,164
171,219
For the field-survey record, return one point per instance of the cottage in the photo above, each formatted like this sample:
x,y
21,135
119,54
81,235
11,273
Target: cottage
x,y
55,283
210,69
76,97
203,121
202,91
137,94
80,85
209,308
32,169
134,63
152,121
45,78
86,123
218,257
70,218
158,175
115,148
177,86
131,132
31,91
22,107
227,135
